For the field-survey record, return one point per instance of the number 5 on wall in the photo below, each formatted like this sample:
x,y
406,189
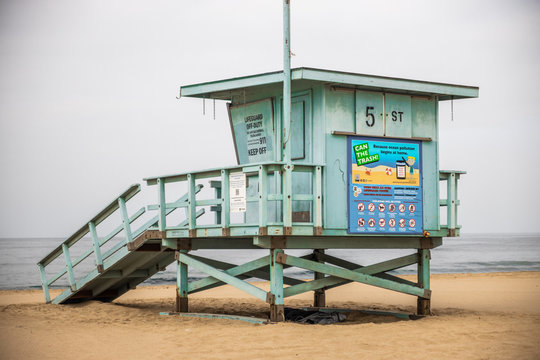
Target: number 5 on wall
x,y
369,109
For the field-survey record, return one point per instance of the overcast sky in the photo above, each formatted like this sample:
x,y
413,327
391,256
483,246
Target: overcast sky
x,y
87,93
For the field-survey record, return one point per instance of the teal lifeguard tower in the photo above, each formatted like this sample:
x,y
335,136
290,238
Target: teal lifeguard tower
x,y
326,160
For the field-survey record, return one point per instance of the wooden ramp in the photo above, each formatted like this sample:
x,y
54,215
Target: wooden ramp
x,y
137,256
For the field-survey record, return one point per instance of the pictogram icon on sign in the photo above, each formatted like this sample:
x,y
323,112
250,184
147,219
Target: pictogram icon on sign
x,y
382,222
412,223
371,207
361,206
371,222
361,222
392,222
412,208
381,207
402,222
401,207
392,207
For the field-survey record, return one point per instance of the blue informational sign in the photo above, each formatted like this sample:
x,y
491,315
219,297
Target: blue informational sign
x,y
384,186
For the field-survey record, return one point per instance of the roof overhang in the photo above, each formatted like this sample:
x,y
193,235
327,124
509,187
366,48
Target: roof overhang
x,y
226,89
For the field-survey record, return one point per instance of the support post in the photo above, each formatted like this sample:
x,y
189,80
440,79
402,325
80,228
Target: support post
x,y
181,284
286,124
277,312
319,295
217,214
423,304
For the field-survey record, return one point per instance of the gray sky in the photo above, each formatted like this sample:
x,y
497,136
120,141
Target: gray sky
x,y
87,93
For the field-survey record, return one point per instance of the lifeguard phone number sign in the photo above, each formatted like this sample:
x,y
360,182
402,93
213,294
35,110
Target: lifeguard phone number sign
x,y
384,186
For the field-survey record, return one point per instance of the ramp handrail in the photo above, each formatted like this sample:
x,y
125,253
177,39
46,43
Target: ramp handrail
x,y
451,202
119,203
221,200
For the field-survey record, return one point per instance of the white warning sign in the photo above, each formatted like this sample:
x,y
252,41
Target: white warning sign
x,y
237,192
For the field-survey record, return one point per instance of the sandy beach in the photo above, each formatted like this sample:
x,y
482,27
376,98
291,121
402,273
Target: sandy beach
x,y
475,316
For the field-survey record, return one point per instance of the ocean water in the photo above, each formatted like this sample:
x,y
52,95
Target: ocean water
x,y
468,253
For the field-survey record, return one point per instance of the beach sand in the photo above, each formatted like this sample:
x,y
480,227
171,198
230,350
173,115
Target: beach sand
x,y
476,316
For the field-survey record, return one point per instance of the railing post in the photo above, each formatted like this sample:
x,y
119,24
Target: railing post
x,y
217,214
317,201
162,222
192,209
225,203
451,203
44,283
69,267
125,220
423,305
287,199
263,200
95,244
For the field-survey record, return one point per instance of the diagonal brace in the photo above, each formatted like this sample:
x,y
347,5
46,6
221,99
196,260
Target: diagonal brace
x,y
358,276
384,266
247,270
222,276
233,271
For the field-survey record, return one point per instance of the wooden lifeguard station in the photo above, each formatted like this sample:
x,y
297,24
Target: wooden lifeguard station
x,y
326,160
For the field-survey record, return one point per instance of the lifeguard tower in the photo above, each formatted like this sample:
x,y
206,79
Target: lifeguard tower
x,y
354,166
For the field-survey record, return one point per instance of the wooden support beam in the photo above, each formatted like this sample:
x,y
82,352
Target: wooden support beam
x,y
249,319
394,264
277,311
220,275
319,295
348,242
244,271
181,283
112,274
424,303
233,271
351,275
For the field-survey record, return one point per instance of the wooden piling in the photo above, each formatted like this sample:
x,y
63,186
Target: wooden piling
x,y
319,295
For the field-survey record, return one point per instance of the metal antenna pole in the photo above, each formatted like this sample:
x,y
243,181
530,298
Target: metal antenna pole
x,y
286,81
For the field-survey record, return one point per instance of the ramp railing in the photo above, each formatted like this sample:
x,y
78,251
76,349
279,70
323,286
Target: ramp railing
x,y
451,202
265,183
101,257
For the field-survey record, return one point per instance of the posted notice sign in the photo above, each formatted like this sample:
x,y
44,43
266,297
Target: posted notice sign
x,y
237,192
384,186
